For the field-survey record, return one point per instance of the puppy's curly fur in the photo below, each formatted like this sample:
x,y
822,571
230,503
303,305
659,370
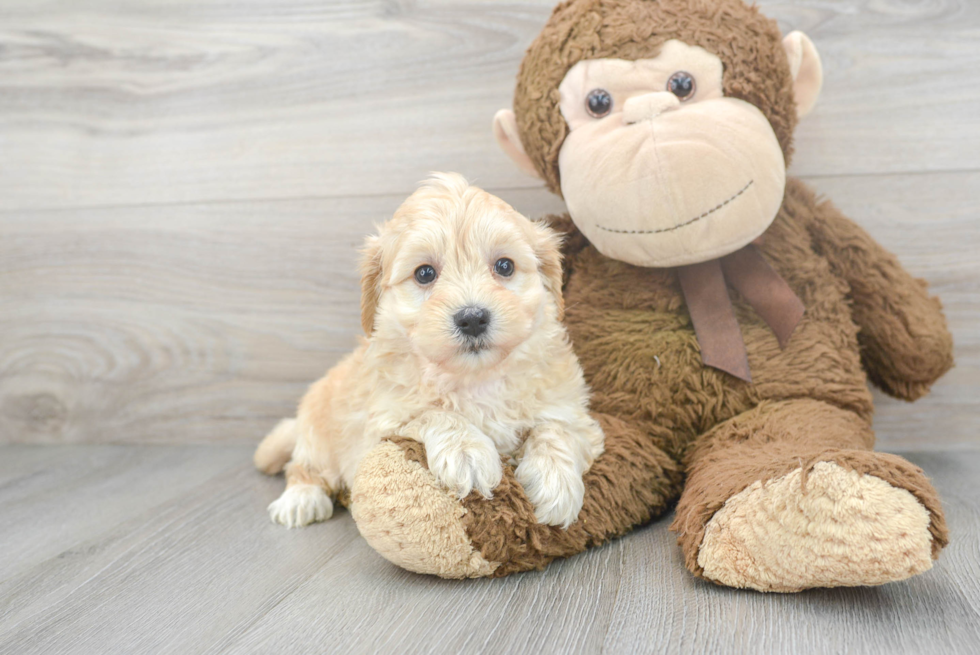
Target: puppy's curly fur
x,y
513,388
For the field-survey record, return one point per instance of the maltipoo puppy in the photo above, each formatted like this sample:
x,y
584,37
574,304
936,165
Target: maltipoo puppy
x,y
461,299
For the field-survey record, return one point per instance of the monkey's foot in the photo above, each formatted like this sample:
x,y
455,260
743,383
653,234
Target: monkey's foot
x,y
829,527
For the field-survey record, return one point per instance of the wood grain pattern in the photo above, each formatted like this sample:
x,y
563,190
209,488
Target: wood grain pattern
x,y
164,324
183,186
205,323
133,102
201,569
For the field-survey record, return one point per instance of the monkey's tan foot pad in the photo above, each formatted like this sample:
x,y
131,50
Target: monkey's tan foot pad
x,y
840,528
412,521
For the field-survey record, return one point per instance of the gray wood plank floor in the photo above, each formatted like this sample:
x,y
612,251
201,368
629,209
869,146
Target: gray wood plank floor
x,y
168,549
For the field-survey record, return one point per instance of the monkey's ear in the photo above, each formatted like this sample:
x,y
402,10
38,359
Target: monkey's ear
x,y
371,277
509,140
804,63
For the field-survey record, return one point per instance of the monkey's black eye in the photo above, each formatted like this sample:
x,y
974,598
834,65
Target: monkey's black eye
x,y
598,103
425,274
682,85
504,267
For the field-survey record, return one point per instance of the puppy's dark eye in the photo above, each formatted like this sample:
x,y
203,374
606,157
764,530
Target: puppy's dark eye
x,y
598,103
504,267
425,274
682,85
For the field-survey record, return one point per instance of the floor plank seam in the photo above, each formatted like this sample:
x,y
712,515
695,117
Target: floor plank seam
x,y
615,600
397,195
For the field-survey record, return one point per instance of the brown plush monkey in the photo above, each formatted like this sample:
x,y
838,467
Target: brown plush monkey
x,y
667,127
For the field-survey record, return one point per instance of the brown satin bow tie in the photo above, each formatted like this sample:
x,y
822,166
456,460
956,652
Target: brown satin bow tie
x,y
715,325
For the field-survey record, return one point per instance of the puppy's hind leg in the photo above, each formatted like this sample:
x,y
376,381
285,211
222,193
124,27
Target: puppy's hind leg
x,y
317,452
276,449
304,501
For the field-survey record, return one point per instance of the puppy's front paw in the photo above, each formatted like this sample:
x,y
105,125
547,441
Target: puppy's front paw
x,y
463,464
301,504
555,490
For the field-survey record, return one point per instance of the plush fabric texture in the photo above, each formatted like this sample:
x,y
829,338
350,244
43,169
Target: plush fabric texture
x,y
632,334
408,518
748,44
776,438
839,528
622,487
715,179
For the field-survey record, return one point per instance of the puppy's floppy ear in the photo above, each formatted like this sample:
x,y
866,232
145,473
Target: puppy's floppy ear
x,y
547,249
371,277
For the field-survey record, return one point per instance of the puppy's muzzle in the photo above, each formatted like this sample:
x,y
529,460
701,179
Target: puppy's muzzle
x,y
472,321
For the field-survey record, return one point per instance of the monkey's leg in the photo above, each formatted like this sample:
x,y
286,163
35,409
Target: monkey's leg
x,y
789,496
408,518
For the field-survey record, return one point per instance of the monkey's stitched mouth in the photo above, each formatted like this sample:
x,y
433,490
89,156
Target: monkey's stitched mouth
x,y
685,223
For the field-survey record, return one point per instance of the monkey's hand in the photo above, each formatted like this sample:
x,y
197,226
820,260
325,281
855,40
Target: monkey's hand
x,y
905,344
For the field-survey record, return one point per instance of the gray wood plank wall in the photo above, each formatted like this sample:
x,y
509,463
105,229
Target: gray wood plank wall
x,y
183,186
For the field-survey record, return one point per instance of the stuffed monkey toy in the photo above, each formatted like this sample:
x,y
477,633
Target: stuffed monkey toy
x,y
726,320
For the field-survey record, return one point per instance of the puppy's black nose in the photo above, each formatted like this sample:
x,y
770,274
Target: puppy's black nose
x,y
472,321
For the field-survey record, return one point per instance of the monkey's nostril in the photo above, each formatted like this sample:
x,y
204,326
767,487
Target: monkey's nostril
x,y
472,321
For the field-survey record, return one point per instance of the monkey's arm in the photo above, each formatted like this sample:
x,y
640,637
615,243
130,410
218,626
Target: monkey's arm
x,y
905,344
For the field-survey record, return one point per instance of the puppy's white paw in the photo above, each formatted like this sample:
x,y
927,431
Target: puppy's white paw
x,y
464,464
301,504
554,488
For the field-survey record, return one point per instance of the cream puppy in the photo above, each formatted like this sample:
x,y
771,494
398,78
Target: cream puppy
x,y
461,297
